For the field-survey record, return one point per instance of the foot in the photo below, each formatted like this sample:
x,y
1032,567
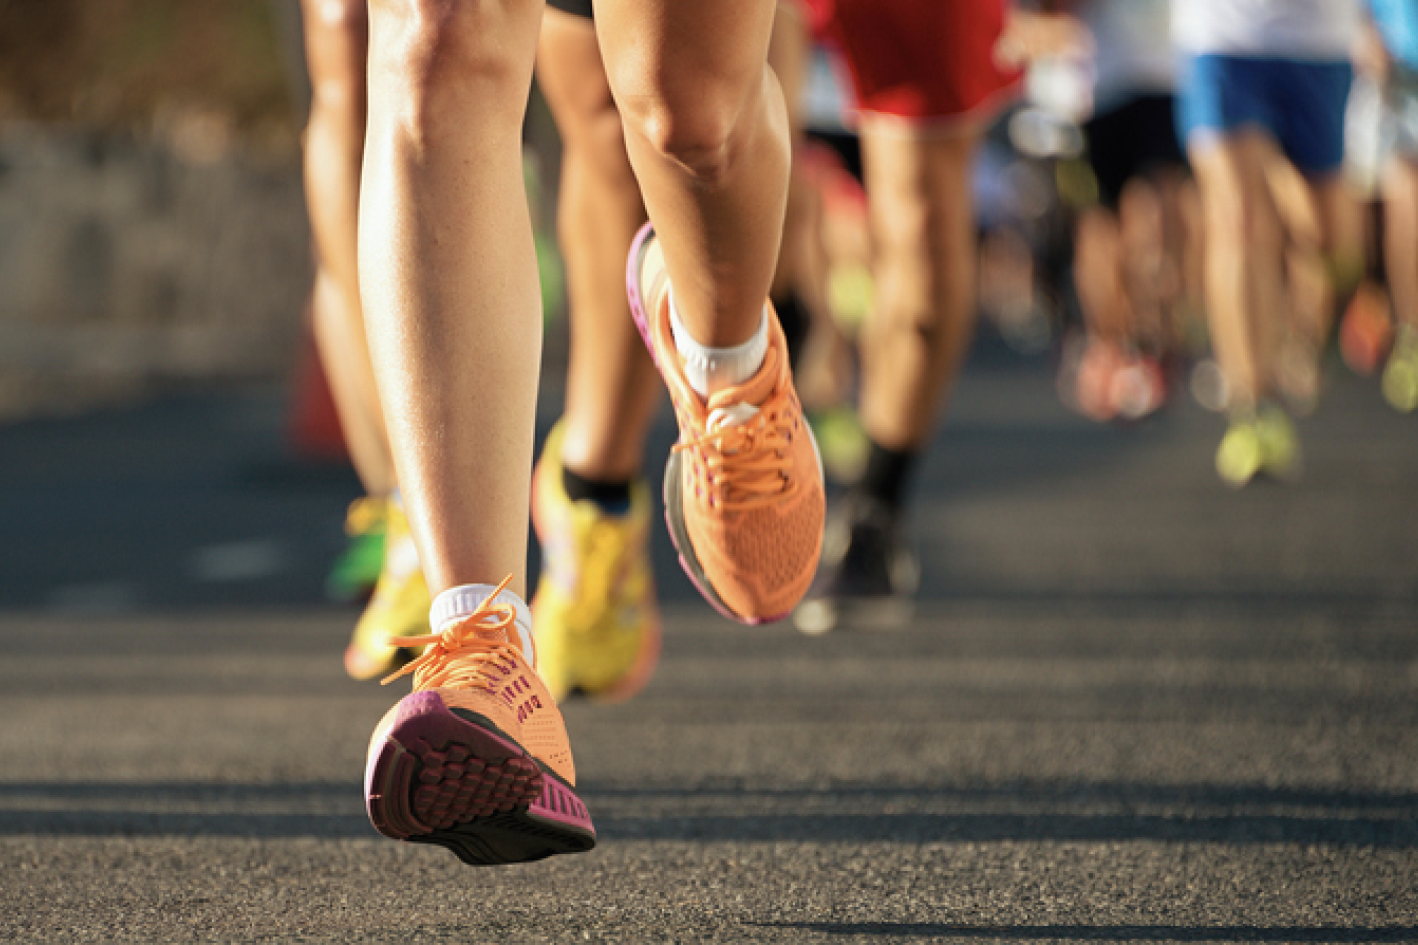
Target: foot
x,y
399,607
1400,377
743,487
1111,382
356,570
1263,444
868,577
1366,332
598,629
1279,444
476,758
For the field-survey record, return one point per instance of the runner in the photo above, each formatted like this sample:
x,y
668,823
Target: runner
x,y
1130,248
336,43
1263,88
927,83
596,619
1392,60
477,758
598,626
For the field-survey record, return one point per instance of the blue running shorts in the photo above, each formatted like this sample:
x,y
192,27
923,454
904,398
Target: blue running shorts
x,y
1300,104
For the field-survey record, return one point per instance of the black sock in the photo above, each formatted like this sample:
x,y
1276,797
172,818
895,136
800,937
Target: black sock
x,y
612,497
886,473
794,319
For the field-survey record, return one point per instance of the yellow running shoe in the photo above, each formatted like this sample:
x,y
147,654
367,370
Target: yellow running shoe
x,y
399,607
1263,444
1400,377
1279,444
1238,458
598,629
476,758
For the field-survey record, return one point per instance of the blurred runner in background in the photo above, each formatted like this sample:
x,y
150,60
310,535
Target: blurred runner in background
x,y
1263,91
1132,247
928,81
1389,55
381,551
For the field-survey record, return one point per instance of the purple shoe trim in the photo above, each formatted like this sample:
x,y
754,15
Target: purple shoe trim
x,y
436,777
638,311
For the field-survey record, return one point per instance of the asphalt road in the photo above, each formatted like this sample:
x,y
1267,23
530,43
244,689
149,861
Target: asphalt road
x,y
1133,706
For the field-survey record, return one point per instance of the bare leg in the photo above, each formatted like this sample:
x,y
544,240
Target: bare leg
x,y
336,39
1309,294
612,387
1097,273
1401,238
448,274
922,224
1341,217
1243,261
1144,262
707,133
788,53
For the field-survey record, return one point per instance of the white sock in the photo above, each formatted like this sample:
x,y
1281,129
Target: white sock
x,y
712,369
459,602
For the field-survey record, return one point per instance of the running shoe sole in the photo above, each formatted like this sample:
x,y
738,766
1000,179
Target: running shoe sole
x,y
451,778
674,480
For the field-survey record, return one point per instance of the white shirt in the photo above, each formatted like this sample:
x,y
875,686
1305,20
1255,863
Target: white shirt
x,y
1133,47
1283,29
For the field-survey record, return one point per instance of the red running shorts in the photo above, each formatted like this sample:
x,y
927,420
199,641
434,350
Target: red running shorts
x,y
930,62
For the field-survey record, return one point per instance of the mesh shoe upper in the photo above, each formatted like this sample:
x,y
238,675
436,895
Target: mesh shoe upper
x,y
750,482
477,664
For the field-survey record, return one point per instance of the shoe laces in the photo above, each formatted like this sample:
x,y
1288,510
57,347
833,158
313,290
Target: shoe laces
x,y
472,652
744,449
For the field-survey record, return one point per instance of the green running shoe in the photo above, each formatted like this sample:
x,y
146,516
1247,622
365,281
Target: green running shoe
x,y
356,570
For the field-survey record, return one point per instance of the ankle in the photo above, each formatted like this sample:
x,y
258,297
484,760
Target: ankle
x,y
611,496
709,369
463,600
886,475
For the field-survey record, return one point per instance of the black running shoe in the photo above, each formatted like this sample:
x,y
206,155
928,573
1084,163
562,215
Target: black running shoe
x,y
868,577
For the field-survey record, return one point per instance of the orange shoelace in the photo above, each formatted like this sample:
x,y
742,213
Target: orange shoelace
x,y
747,462
465,654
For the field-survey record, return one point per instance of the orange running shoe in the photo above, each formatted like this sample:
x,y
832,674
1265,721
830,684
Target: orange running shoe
x,y
476,757
743,487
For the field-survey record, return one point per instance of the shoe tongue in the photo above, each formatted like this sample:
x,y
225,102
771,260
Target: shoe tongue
x,y
734,415
740,403
484,628
489,629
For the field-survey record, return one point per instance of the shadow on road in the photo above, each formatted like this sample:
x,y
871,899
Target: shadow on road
x,y
1059,812
1109,933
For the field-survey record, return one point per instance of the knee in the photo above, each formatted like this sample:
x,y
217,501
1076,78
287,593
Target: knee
x,y
694,124
1096,238
346,19
1237,227
337,34
423,50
